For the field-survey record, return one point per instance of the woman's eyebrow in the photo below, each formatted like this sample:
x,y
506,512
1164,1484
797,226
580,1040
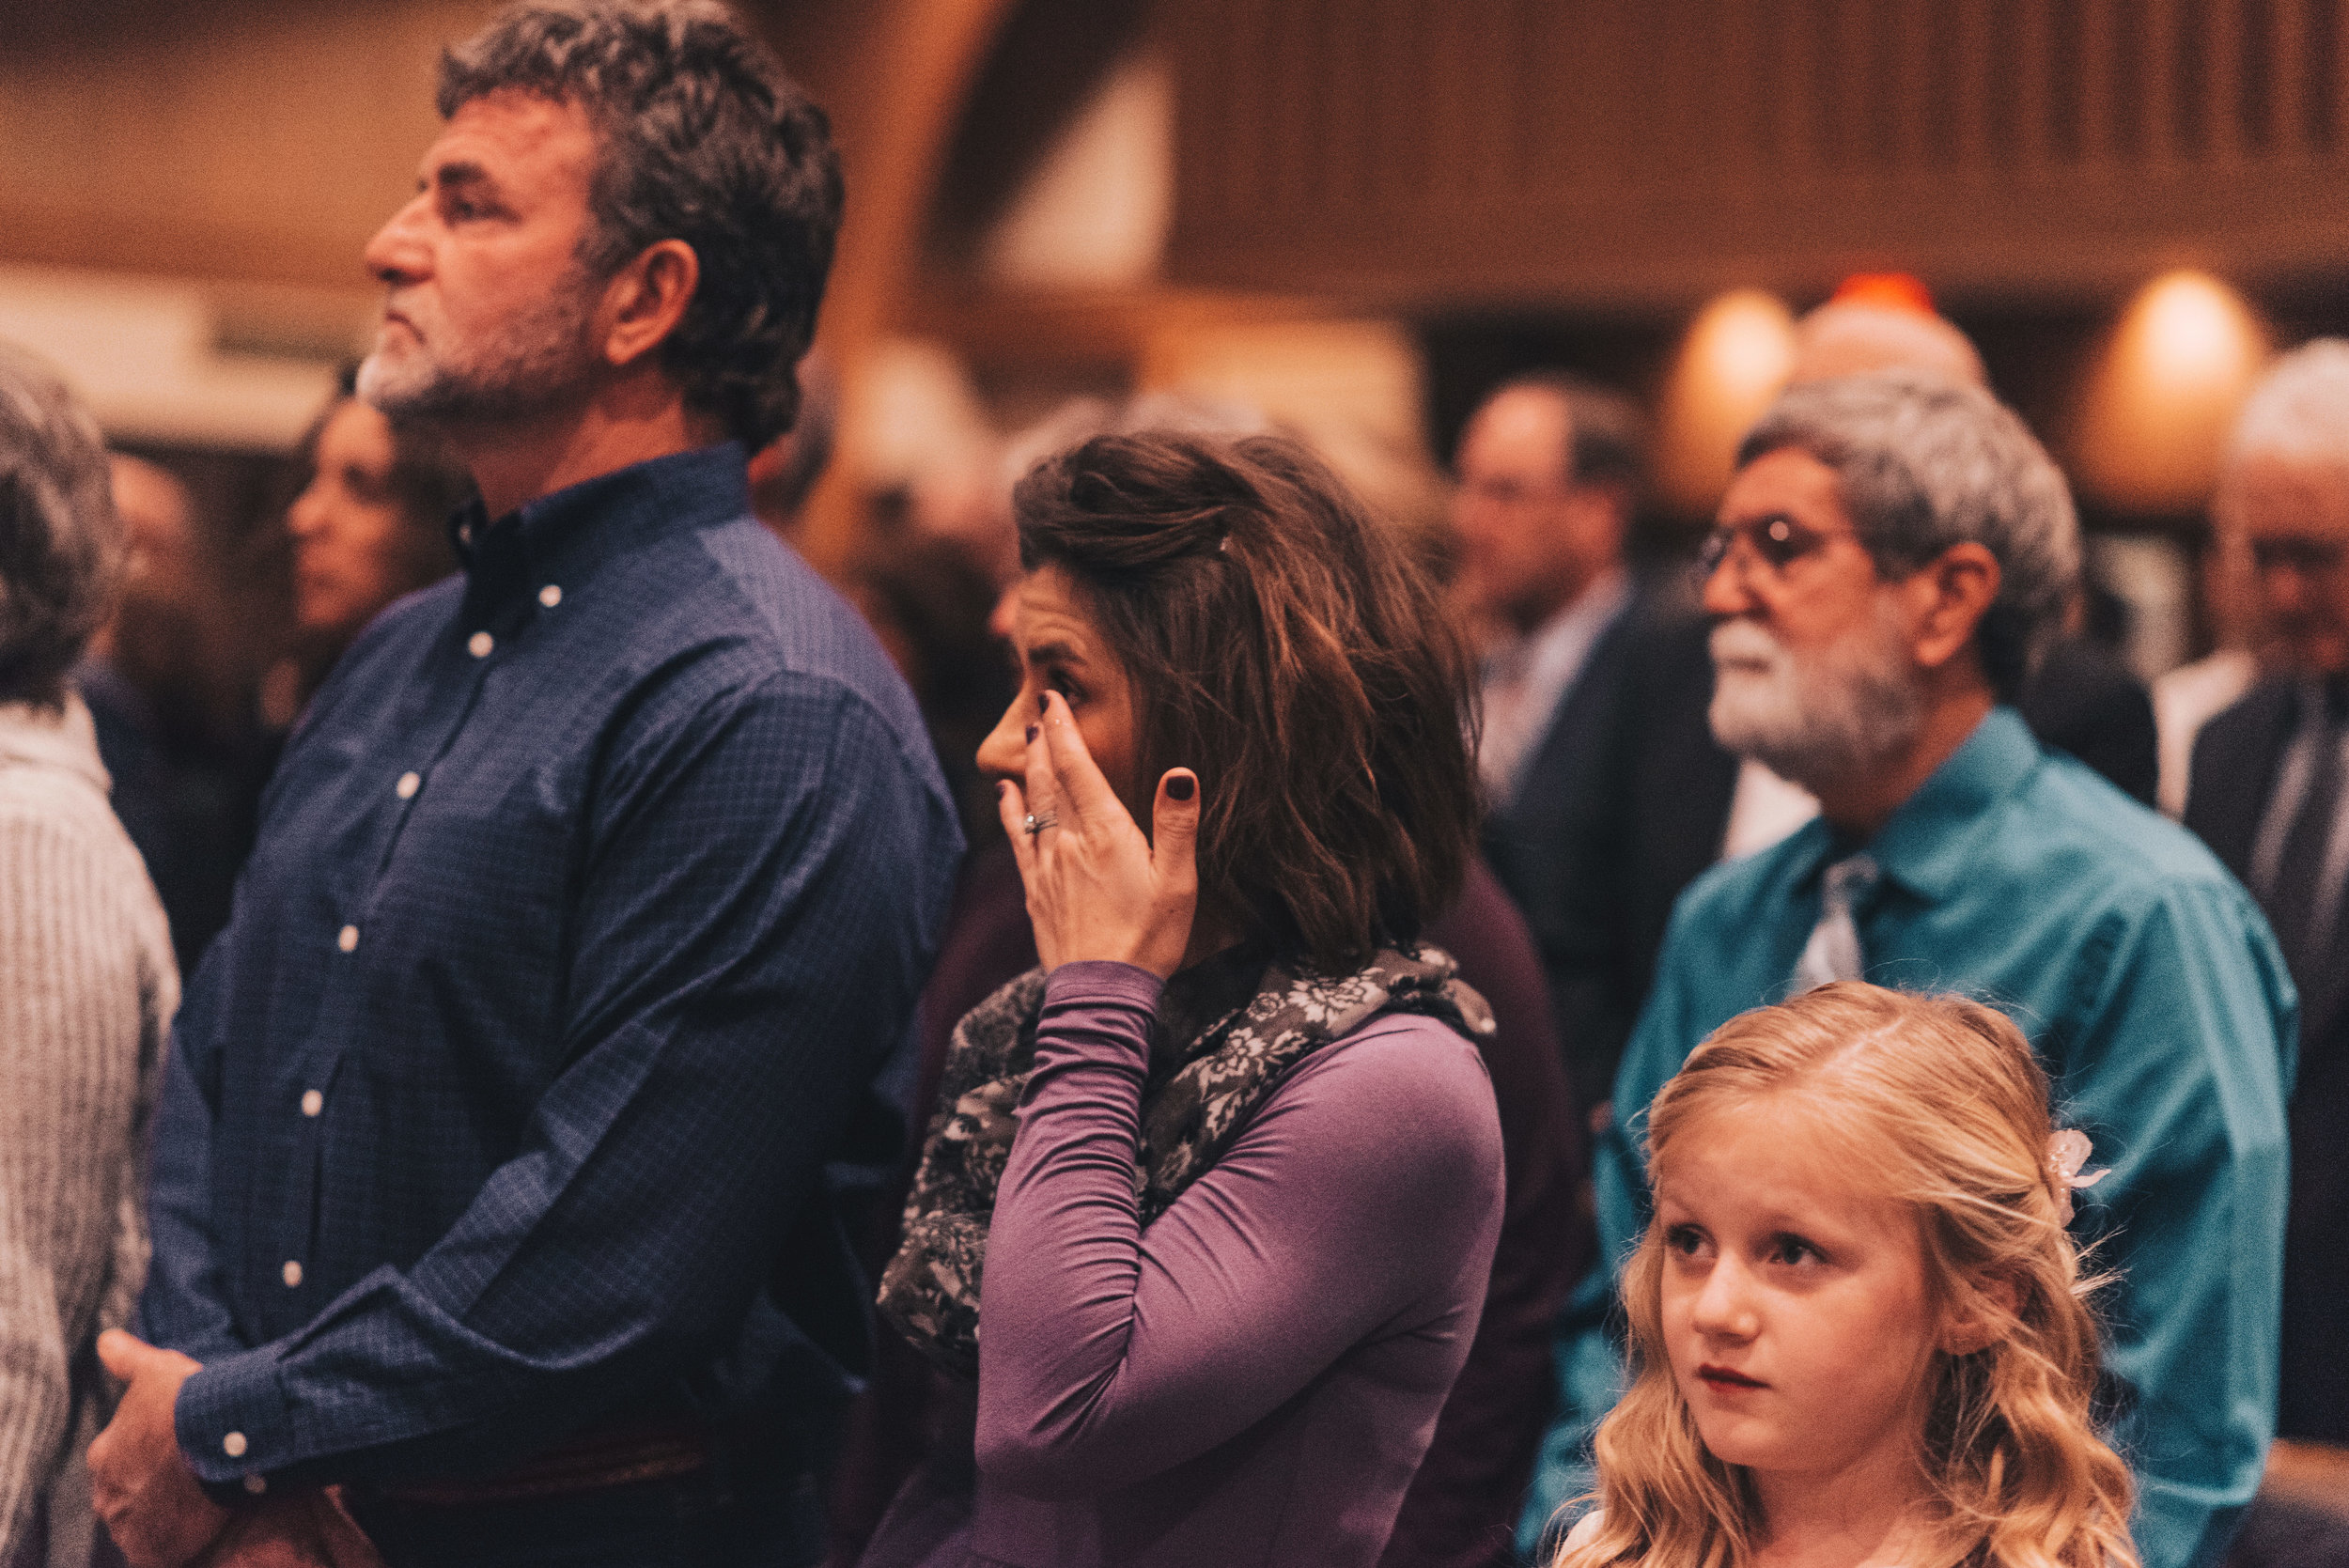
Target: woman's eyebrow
x,y
1055,653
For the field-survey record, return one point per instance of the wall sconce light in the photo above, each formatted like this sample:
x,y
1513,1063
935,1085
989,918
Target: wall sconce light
x,y
1733,360
2164,391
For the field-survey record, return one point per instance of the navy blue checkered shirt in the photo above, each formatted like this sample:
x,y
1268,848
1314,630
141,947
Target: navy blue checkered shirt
x,y
590,896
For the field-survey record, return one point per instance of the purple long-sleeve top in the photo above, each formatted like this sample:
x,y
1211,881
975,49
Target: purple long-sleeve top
x,y
1253,1378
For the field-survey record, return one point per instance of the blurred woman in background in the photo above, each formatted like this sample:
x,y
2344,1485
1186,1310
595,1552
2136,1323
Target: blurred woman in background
x,y
370,525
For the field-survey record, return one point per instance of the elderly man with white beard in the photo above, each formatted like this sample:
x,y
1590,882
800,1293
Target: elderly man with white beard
x,y
1893,554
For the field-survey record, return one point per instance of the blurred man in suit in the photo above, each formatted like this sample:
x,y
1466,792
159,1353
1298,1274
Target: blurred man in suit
x,y
2266,794
1549,474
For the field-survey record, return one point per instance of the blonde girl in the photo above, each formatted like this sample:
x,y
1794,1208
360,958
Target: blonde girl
x,y
1857,1329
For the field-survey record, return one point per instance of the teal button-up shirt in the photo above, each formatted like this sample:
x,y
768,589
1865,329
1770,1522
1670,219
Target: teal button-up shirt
x,y
2149,984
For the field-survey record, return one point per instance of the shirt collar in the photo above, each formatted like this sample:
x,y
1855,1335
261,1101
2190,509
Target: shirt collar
x,y
1924,844
567,534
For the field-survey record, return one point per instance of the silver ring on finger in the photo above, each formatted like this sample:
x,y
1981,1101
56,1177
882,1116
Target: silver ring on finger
x,y
1036,824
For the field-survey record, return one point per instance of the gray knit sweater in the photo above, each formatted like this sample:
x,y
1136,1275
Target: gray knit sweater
x,y
86,990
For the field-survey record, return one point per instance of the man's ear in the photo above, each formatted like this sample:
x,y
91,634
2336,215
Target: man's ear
x,y
646,300
1951,594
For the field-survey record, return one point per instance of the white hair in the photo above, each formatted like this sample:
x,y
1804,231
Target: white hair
x,y
2299,411
1925,463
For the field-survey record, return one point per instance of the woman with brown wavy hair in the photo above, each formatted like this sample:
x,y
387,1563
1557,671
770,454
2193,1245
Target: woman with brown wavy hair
x,y
1212,1195
1857,1323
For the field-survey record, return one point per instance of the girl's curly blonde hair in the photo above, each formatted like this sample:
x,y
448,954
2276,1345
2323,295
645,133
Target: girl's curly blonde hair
x,y
1938,1102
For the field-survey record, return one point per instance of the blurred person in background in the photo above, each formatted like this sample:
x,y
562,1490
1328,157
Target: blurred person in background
x,y
371,525
785,471
165,681
1549,472
87,984
1893,553
594,892
929,604
2267,796
1238,1346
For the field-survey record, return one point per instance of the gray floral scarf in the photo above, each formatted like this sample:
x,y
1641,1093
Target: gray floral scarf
x,y
1226,1031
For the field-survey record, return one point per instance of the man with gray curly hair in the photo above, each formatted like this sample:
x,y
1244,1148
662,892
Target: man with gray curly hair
x,y
87,979
2266,794
589,899
1892,556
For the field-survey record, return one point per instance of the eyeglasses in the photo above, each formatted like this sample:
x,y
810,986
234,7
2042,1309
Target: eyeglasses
x,y
2304,555
1777,541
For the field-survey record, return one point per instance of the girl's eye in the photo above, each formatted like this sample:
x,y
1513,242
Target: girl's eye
x,y
1687,1240
1067,688
1793,1249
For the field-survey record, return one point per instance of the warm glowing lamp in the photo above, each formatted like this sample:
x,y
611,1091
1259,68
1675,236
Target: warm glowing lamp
x,y
2163,394
1733,360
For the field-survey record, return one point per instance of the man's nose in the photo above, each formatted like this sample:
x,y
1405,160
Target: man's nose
x,y
397,255
1725,590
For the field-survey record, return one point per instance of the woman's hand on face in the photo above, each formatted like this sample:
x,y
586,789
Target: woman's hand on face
x,y
1097,888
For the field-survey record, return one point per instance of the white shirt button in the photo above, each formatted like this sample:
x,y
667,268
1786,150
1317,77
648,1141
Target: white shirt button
x,y
233,1445
347,938
292,1271
407,786
549,596
257,1484
312,1102
479,644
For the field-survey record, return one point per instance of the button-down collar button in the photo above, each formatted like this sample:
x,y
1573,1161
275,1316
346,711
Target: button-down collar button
x,y
312,1102
347,938
549,596
479,644
292,1271
257,1484
233,1445
407,786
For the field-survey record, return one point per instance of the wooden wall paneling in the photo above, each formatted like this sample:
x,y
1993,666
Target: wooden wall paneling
x,y
1997,146
2328,74
252,140
2031,50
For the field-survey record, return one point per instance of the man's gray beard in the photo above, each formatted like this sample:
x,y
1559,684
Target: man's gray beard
x,y
1821,720
538,359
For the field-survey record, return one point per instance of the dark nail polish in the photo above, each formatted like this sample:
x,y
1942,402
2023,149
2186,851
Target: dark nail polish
x,y
1043,702
1032,731
1179,786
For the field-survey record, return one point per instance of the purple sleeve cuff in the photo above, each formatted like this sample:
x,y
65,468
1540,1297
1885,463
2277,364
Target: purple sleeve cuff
x,y
1098,980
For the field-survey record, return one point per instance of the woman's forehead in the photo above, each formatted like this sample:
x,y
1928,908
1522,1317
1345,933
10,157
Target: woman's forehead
x,y
1046,610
